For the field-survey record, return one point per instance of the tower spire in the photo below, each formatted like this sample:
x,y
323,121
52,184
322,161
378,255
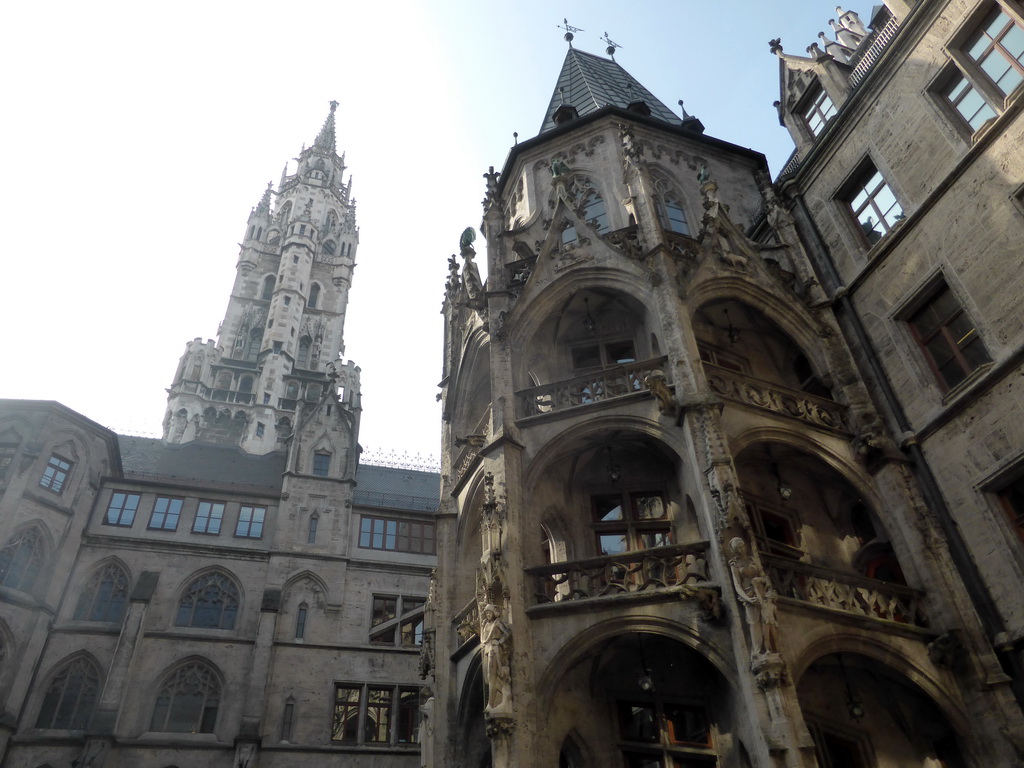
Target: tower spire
x,y
263,208
325,139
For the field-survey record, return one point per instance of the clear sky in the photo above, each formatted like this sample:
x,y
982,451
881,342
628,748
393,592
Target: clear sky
x,y
138,136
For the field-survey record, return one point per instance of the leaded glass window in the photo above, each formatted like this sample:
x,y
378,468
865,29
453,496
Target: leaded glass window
x,y
187,701
21,560
211,602
70,697
105,597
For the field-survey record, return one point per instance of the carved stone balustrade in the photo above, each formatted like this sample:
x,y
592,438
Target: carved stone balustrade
x,y
646,570
614,382
846,592
810,409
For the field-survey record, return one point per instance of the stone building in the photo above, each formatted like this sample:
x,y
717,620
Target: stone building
x,y
731,468
242,592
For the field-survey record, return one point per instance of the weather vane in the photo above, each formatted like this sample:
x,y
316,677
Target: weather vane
x,y
612,45
569,29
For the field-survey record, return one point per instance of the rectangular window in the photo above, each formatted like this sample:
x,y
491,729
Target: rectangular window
x,y
321,464
7,451
287,720
948,338
375,714
817,111
997,48
396,535
208,517
56,473
722,359
122,508
776,531
261,429
397,620
660,733
250,522
873,204
166,512
631,521
300,622
968,101
1011,498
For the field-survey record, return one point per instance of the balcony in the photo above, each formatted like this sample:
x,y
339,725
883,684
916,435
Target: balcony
x,y
600,386
675,568
817,411
845,592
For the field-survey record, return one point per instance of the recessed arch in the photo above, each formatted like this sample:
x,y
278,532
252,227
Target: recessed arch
x,y
209,599
104,598
71,693
188,697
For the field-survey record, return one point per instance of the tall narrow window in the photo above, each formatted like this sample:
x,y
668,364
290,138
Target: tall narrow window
x,y
268,287
56,473
346,713
121,509
818,110
188,701
407,731
873,204
314,296
1012,500
670,214
21,560
288,719
300,621
594,211
105,597
210,602
70,697
948,338
378,715
314,522
321,464
302,358
255,342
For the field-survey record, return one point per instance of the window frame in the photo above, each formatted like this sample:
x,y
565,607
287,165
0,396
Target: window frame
x,y
56,473
101,604
427,543
630,526
405,619
935,289
321,464
208,518
86,697
861,181
250,521
812,104
206,676
120,521
401,712
662,744
167,514
197,588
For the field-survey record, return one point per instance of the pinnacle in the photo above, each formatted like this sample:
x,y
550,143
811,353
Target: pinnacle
x,y
325,139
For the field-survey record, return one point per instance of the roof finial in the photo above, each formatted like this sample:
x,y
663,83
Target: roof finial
x,y
325,139
569,29
683,110
264,205
612,45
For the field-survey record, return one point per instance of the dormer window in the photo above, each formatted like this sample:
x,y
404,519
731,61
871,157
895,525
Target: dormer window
x,y
817,110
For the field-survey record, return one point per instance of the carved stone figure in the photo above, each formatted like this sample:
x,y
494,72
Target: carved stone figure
x,y
755,592
559,168
659,388
426,734
496,641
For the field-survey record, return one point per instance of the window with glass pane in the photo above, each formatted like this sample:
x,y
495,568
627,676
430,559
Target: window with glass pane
x,y
105,597
998,49
346,713
874,205
396,535
1012,500
966,100
250,522
665,735
407,730
948,337
122,508
397,620
671,214
378,715
321,464
21,560
818,111
56,473
188,701
594,212
208,517
70,697
631,521
7,452
166,512
210,602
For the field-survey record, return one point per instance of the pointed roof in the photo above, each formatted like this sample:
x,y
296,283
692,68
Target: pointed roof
x,y
589,83
325,139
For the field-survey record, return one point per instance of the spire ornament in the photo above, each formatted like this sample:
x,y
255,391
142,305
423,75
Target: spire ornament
x,y
569,29
612,45
325,139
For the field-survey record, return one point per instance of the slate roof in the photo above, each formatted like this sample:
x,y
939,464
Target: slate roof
x,y
204,464
394,488
590,83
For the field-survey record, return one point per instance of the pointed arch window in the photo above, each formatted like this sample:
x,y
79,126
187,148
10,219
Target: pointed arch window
x,y
105,597
21,560
594,211
302,358
671,214
329,247
255,342
187,701
210,602
269,282
314,296
70,697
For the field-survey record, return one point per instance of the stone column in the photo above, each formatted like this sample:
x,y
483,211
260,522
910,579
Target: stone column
x,y
247,741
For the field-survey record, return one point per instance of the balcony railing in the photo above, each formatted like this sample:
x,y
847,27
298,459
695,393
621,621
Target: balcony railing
x,y
628,572
846,592
618,381
817,411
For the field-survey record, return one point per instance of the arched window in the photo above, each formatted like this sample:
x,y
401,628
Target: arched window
x,y
594,212
187,701
21,560
105,597
259,233
329,247
569,236
71,696
269,282
314,296
300,621
302,359
255,341
210,602
671,214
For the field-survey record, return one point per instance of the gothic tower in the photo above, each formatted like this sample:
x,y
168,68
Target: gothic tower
x,y
278,349
674,530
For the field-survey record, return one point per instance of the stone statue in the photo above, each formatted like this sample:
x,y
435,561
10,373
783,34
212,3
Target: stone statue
x,y
658,387
755,592
559,168
426,734
703,175
496,639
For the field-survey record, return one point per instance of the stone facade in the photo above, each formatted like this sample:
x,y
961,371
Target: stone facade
x,y
242,592
689,512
